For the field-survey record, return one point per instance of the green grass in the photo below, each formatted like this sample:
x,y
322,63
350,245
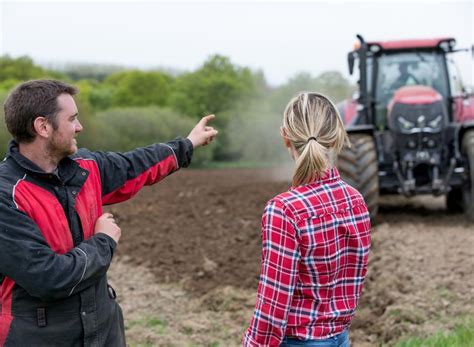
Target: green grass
x,y
154,323
461,336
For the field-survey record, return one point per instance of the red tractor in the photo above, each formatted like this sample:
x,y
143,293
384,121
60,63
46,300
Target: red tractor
x,y
411,124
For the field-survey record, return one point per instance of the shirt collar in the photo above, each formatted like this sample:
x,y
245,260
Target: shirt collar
x,y
329,175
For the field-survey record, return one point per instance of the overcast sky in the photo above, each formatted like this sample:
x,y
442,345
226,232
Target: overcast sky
x,y
281,38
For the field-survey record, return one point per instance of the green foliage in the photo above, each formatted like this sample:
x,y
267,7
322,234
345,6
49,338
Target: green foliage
x,y
15,70
217,87
124,109
20,69
8,84
101,97
5,136
127,128
461,336
139,88
213,88
86,111
97,72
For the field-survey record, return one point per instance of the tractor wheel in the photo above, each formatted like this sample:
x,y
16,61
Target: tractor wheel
x,y
454,200
359,167
468,196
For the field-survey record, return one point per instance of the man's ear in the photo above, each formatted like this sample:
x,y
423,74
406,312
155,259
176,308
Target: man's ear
x,y
286,140
42,127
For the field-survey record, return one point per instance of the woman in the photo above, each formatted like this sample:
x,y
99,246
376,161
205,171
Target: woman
x,y
315,237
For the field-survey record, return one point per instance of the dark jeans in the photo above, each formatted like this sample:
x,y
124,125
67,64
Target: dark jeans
x,y
341,340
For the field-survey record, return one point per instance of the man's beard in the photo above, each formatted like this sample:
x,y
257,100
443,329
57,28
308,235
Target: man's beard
x,y
59,148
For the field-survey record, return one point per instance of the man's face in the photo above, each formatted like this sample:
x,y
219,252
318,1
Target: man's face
x,y
63,140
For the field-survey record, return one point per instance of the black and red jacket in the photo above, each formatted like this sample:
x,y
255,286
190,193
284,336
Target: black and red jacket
x,y
54,289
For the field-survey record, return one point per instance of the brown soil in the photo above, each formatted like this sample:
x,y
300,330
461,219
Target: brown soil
x,y
199,227
196,236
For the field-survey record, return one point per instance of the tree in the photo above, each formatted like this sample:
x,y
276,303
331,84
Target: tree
x,y
213,88
21,69
139,88
16,70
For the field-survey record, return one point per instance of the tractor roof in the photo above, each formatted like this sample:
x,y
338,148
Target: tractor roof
x,y
413,43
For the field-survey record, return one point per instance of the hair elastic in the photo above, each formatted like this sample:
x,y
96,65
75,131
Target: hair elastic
x,y
312,138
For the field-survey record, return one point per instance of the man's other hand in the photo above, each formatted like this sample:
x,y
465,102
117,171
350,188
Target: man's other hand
x,y
106,225
202,134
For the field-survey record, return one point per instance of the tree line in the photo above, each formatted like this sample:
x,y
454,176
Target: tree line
x,y
124,108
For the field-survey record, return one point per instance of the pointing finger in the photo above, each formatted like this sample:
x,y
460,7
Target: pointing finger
x,y
206,119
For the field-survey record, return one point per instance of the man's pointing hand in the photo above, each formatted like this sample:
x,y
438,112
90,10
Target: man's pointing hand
x,y
202,134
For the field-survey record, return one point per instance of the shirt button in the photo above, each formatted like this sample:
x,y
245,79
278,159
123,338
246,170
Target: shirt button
x,y
84,313
83,173
74,192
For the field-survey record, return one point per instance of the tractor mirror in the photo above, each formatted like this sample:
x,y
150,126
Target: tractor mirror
x,y
350,60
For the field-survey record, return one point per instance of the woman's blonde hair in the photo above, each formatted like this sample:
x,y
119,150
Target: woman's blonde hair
x,y
315,129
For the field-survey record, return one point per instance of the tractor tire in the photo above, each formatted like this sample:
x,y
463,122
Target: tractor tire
x,y
359,168
454,200
468,196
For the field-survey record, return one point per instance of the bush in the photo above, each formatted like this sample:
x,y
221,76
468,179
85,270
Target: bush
x,y
5,136
127,128
214,88
139,88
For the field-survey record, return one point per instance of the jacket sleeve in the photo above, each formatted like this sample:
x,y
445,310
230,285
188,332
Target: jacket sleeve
x,y
124,174
27,259
278,277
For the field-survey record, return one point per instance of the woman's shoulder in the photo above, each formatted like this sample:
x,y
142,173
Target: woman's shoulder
x,y
285,202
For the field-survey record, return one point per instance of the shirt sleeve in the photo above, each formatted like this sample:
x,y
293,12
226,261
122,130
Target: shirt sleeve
x,y
124,174
279,273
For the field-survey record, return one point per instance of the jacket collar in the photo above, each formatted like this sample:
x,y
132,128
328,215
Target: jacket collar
x,y
66,167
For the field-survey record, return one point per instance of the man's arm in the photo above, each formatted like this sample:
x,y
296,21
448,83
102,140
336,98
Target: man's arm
x,y
280,259
27,259
124,174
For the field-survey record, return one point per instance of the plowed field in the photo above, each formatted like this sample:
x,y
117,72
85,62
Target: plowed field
x,y
187,266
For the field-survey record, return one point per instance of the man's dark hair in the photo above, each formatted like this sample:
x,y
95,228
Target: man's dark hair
x,y
30,100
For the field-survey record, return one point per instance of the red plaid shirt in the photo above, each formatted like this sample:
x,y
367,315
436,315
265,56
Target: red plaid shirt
x,y
316,241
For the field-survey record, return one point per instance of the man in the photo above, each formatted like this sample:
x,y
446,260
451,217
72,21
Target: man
x,y
55,242
404,78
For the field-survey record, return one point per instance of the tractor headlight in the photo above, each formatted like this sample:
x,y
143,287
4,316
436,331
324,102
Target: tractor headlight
x,y
435,123
405,124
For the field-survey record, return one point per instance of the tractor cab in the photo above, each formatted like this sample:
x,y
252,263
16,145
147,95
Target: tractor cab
x,y
410,117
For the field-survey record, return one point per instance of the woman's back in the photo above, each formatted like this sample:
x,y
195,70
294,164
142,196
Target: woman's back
x,y
315,238
332,232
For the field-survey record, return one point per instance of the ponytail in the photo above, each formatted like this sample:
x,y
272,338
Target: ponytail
x,y
316,131
310,163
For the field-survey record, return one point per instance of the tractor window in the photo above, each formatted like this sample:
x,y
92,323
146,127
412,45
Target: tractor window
x,y
454,79
397,70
